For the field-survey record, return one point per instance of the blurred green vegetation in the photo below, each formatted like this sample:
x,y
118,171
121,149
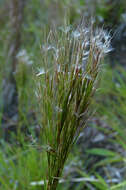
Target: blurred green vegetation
x,y
22,159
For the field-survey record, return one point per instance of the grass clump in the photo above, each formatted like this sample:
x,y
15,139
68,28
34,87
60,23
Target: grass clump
x,y
65,87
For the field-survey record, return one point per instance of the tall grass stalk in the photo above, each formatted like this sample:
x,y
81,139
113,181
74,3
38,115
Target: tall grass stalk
x,y
65,86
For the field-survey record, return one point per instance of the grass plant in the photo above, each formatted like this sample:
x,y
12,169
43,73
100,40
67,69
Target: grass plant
x,y
65,87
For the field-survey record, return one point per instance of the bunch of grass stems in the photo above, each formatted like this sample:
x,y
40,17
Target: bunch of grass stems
x,y
66,84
